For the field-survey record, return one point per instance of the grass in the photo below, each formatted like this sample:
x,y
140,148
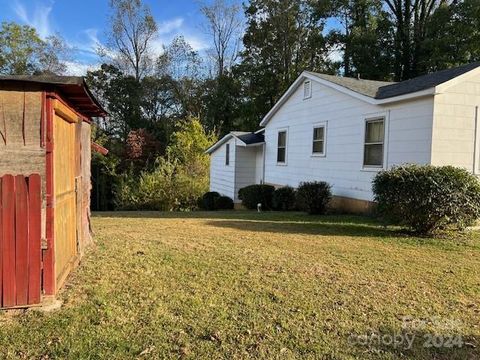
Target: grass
x,y
247,285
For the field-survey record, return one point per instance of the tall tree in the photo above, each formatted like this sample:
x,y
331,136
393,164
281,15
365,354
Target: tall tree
x,y
365,38
183,66
410,18
132,29
452,36
224,26
23,52
121,95
282,39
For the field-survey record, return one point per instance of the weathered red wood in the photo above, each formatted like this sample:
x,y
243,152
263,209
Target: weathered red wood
x,y
1,245
34,239
21,240
8,253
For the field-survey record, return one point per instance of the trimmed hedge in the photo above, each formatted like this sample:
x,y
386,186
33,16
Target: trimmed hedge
x,y
223,203
207,202
284,199
313,197
254,194
426,198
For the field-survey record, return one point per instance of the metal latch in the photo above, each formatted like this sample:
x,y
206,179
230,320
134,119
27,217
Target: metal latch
x,y
44,244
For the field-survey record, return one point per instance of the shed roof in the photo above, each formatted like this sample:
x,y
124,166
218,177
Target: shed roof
x,y
74,88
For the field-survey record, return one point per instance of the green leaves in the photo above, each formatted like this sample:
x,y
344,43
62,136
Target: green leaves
x,y
23,52
428,199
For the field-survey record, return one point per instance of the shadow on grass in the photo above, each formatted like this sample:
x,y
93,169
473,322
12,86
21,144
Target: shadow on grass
x,y
300,223
329,227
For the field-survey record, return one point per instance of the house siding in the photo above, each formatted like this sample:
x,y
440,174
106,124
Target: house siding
x,y
222,177
408,139
259,164
244,168
454,124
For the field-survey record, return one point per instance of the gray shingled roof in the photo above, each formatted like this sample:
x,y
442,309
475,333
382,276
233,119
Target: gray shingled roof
x,y
423,82
384,90
361,86
252,138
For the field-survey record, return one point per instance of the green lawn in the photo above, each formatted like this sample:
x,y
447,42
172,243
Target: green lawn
x,y
247,285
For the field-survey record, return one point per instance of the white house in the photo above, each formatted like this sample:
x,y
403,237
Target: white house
x,y
344,130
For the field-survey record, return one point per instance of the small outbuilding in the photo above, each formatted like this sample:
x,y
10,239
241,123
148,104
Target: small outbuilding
x,y
45,154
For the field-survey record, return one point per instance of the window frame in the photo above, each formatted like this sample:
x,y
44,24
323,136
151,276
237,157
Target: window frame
x,y
284,163
369,119
305,94
227,154
323,125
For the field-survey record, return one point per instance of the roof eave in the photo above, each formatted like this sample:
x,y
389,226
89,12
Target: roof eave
x,y
344,90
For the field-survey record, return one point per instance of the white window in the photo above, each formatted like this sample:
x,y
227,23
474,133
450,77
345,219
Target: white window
x,y
227,154
319,139
282,147
374,142
307,89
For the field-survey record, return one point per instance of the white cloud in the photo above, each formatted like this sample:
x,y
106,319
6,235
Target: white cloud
x,y
39,18
75,68
166,27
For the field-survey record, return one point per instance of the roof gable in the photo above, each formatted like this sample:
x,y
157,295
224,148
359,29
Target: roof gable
x,y
246,139
377,92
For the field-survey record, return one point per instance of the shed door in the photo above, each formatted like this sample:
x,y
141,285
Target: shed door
x,y
65,199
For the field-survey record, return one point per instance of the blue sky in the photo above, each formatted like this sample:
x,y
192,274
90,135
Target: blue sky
x,y
82,23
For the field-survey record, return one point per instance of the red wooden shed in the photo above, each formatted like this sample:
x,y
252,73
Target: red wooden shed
x,y
45,153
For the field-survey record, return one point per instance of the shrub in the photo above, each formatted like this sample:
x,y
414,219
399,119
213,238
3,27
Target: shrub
x,y
207,202
223,203
177,180
313,197
426,198
255,194
284,198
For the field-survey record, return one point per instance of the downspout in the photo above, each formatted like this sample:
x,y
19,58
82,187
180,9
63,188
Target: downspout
x,y
475,145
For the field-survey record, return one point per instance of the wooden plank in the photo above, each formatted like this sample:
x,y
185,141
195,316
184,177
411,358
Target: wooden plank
x,y
1,245
8,253
21,240
65,112
34,239
49,285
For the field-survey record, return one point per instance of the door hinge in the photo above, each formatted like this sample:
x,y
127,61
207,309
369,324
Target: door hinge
x,y
44,244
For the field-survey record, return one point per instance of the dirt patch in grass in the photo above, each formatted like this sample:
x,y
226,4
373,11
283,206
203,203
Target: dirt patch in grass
x,y
247,285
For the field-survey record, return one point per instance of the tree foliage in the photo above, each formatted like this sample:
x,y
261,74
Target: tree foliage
x,y
132,29
23,52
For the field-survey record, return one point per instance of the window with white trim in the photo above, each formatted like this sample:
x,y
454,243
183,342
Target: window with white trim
x,y
318,142
307,89
227,154
282,147
374,142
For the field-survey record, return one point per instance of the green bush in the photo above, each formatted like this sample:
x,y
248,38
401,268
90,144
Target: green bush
x,y
177,179
313,197
207,202
223,203
427,199
255,194
284,199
